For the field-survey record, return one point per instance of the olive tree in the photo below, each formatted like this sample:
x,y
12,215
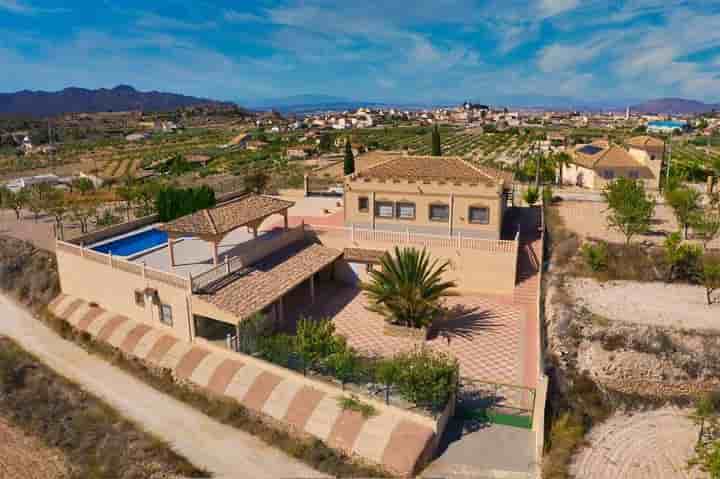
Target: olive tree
x,y
630,210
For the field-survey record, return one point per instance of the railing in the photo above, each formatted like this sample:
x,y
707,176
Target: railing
x,y
456,241
122,264
246,255
502,403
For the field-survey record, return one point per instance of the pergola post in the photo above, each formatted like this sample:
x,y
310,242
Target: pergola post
x,y
255,232
285,218
215,253
281,309
312,289
171,250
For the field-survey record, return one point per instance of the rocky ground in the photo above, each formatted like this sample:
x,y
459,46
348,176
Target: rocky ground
x,y
25,457
675,305
654,444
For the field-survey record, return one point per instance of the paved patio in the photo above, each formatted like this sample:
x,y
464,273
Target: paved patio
x,y
486,334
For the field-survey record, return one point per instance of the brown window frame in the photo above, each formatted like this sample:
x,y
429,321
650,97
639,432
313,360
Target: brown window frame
x,y
438,220
164,318
478,207
367,204
139,298
398,204
377,206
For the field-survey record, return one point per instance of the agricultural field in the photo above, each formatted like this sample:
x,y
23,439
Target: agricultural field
x,y
25,457
502,147
692,162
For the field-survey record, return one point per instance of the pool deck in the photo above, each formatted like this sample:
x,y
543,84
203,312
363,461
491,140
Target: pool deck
x,y
194,255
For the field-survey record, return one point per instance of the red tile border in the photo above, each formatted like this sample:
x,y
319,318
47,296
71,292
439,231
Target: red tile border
x,y
160,349
260,390
133,338
189,362
223,375
110,327
72,307
89,317
302,406
346,430
407,443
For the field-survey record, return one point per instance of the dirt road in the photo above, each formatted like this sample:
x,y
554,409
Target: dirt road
x,y
222,450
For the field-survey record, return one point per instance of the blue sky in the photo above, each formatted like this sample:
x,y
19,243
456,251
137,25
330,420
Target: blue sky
x,y
392,50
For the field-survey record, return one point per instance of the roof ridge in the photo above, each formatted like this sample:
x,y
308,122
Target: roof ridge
x,y
210,220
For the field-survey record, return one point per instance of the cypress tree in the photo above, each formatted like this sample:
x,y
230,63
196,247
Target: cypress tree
x,y
349,165
436,148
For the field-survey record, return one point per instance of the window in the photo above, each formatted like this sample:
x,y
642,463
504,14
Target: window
x,y
439,212
166,314
384,209
479,215
634,174
363,204
406,211
139,298
608,174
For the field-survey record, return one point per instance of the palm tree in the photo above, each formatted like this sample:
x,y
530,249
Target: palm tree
x,y
408,288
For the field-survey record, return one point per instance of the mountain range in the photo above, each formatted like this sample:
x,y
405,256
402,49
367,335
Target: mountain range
x,y
81,100
674,105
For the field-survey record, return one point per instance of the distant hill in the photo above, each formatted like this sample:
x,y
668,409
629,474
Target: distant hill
x,y
674,105
80,100
310,103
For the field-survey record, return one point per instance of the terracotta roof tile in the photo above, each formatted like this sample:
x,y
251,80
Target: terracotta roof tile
x,y
359,255
432,168
265,282
228,216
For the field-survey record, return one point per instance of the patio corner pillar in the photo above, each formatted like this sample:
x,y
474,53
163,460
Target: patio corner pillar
x,y
216,260
171,250
312,289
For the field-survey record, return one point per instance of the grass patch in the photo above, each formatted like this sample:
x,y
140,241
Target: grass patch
x,y
352,403
97,440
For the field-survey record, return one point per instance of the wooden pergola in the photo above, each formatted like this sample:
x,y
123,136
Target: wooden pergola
x,y
213,224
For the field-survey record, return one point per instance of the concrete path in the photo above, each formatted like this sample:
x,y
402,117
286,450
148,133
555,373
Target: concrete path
x,y
492,451
222,450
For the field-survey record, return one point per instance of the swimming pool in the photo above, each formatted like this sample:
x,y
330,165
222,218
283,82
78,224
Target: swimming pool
x,y
136,243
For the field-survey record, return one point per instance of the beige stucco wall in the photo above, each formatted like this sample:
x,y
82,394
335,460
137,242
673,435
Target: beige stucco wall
x,y
423,195
655,165
571,173
486,270
114,289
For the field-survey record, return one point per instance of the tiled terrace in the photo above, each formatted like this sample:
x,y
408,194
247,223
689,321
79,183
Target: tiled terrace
x,y
486,334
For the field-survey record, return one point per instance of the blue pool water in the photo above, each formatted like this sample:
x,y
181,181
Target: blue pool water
x,y
130,245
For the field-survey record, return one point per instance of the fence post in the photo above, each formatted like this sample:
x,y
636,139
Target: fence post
x,y
110,258
82,249
144,272
352,232
407,235
228,342
227,265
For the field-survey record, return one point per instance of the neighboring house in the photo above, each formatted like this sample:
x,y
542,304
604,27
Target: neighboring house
x,y
29,181
596,164
429,195
256,145
299,152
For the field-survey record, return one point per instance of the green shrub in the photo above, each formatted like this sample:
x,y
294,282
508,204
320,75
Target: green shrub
x,y
316,340
596,256
531,196
344,362
426,377
278,348
353,403
682,258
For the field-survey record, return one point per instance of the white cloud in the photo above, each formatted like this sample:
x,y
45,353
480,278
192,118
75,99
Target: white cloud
x,y
159,22
551,8
233,16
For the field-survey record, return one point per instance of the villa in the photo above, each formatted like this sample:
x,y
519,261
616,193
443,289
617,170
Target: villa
x,y
596,164
178,293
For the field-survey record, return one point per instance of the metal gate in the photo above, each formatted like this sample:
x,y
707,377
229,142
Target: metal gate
x,y
496,403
